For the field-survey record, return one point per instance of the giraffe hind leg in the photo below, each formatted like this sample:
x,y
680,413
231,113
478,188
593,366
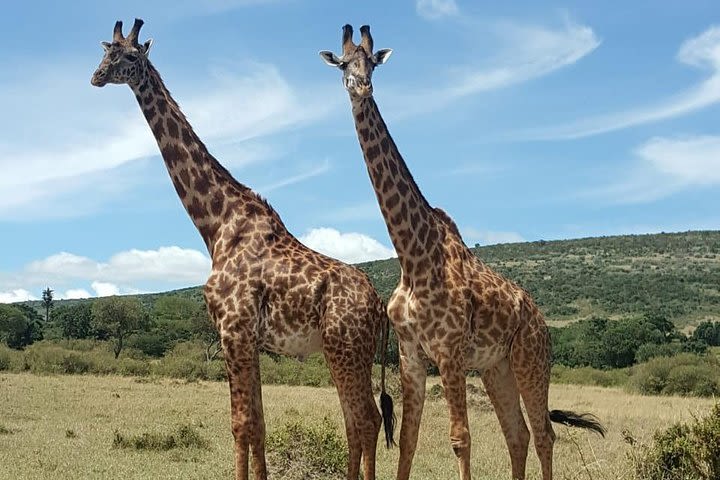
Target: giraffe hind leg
x,y
531,366
503,392
351,371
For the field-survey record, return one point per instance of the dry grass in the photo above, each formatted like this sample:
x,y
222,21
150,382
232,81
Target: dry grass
x,y
40,410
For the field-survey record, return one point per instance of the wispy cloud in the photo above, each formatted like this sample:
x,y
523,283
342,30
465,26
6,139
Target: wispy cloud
x,y
434,9
232,108
300,177
665,166
526,51
701,52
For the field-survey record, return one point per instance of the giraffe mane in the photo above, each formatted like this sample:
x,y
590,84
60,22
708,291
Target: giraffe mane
x,y
220,168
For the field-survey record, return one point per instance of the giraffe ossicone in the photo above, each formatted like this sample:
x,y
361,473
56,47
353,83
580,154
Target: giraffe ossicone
x,y
449,308
266,290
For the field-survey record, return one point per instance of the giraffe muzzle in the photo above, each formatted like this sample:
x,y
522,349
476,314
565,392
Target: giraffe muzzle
x,y
99,79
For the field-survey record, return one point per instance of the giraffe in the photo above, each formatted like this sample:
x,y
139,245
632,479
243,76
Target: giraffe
x,y
266,290
449,308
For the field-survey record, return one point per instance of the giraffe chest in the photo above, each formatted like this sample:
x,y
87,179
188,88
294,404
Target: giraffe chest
x,y
433,331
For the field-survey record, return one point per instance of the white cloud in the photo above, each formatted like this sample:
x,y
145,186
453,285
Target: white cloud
x,y
348,247
75,293
17,295
105,289
433,9
689,160
702,52
182,265
101,137
487,237
122,273
665,166
526,52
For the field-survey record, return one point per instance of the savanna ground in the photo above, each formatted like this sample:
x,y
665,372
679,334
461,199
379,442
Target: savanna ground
x,y
62,427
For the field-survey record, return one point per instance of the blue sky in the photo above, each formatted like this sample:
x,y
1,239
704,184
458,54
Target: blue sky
x,y
524,121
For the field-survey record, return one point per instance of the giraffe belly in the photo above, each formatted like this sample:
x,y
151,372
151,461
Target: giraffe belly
x,y
298,344
480,357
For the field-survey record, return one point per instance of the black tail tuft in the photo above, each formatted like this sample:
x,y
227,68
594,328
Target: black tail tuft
x,y
386,407
579,420
386,403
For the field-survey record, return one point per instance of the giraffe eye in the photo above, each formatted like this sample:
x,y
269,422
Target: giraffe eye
x,y
131,58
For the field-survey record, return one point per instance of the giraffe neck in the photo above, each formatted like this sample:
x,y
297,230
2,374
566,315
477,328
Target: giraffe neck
x,y
210,195
408,215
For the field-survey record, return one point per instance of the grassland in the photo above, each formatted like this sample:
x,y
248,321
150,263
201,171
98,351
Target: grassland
x,y
62,427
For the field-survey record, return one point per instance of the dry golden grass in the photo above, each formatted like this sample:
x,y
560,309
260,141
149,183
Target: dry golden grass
x,y
40,410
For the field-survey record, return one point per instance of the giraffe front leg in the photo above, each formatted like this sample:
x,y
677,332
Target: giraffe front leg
x,y
452,375
257,444
242,365
413,375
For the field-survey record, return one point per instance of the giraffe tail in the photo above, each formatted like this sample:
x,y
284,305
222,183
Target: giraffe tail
x,y
578,420
386,402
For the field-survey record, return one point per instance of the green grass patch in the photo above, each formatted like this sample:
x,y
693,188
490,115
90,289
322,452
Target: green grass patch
x,y
184,436
300,450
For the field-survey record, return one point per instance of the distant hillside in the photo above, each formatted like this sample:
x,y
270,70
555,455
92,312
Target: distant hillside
x,y
675,274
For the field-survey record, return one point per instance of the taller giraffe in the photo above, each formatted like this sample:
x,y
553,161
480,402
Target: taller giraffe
x,y
449,308
266,291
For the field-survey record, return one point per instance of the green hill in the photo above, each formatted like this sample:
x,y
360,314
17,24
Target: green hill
x,y
676,275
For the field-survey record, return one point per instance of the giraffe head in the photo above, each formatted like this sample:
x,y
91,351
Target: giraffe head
x,y
125,60
357,61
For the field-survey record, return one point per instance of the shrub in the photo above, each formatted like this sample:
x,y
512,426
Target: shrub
x,y
684,374
184,436
300,450
288,371
132,367
151,344
683,451
10,360
589,376
186,360
5,430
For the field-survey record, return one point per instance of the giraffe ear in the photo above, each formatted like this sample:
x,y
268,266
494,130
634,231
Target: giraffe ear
x,y
106,45
381,56
331,59
145,47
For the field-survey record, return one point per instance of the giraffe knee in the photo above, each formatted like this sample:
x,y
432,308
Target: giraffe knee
x,y
460,442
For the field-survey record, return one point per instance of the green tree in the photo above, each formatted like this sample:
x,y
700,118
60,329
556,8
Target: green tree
x,y
708,332
75,321
47,302
119,317
13,325
204,329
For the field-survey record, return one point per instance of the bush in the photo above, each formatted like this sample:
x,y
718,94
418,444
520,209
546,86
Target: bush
x,y
10,360
589,376
150,344
651,350
288,371
186,360
300,450
184,436
683,452
132,367
684,374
